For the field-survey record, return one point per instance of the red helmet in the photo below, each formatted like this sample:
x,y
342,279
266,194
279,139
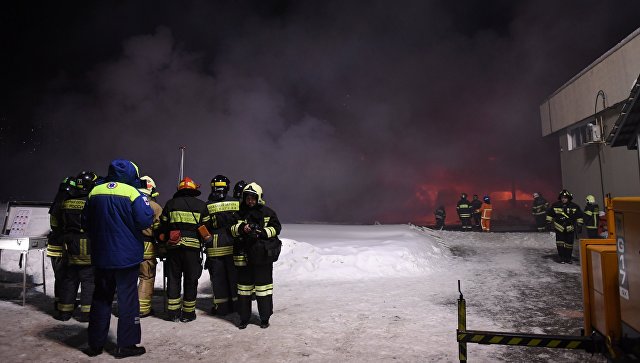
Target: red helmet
x,y
188,183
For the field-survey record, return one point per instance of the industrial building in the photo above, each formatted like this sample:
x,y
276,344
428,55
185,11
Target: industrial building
x,y
595,117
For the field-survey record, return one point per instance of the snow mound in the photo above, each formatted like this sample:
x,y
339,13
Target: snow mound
x,y
336,252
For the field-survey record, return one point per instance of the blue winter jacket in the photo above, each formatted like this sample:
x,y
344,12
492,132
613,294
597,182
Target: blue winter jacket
x,y
115,215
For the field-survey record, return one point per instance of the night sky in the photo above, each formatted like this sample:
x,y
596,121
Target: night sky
x,y
344,111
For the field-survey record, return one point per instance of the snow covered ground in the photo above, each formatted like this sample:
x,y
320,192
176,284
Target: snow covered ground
x,y
380,293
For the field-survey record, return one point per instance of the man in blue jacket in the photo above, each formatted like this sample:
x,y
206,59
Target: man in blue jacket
x,y
115,214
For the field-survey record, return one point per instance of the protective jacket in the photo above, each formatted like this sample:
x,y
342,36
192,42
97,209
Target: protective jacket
x,y
464,208
185,213
565,217
591,214
55,245
115,215
224,215
149,233
75,237
255,245
539,207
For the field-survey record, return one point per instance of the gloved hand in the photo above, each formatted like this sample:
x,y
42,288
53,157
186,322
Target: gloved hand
x,y
262,234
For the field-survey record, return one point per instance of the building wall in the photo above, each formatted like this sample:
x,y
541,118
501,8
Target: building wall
x,y
581,169
596,168
613,73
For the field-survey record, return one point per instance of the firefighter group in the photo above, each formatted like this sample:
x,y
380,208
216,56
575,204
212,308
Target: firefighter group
x,y
563,217
107,234
566,219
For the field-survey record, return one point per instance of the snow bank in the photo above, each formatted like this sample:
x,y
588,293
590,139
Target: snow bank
x,y
329,252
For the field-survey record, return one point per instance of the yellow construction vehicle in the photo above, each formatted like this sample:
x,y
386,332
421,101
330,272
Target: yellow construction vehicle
x,y
610,289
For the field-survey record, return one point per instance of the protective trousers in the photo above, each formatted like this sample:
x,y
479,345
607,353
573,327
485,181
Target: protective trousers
x,y
224,281
258,279
541,222
59,266
183,262
466,223
125,282
77,276
147,277
564,244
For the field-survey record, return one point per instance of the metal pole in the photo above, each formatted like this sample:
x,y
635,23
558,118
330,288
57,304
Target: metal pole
x,y
181,174
462,325
44,280
24,277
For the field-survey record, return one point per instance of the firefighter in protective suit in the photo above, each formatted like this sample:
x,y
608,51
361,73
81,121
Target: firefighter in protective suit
x,y
180,219
78,251
591,215
258,229
55,245
485,214
465,209
147,275
223,214
566,217
539,211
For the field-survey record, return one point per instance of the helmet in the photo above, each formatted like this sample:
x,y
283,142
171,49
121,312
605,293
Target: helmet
x,y
565,193
188,184
148,186
590,199
86,180
219,187
237,189
220,184
475,196
255,189
536,195
486,199
463,195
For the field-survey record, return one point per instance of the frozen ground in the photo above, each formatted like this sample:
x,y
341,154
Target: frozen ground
x,y
345,293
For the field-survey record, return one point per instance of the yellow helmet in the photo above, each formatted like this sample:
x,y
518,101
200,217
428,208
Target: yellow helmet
x,y
590,199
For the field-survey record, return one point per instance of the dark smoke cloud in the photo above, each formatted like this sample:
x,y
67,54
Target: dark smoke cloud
x,y
342,111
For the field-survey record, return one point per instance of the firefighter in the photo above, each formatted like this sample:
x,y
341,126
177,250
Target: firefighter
x,y
476,204
55,245
180,219
485,214
78,250
539,211
566,217
258,229
591,216
223,213
464,210
116,213
147,274
441,215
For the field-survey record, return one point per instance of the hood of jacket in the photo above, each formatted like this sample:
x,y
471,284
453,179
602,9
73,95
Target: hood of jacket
x,y
124,171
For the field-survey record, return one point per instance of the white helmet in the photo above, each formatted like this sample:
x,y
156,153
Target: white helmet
x,y
150,189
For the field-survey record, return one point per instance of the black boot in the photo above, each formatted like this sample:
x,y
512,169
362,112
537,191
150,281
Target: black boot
x,y
130,351
243,324
64,315
84,317
187,317
92,351
264,324
174,316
